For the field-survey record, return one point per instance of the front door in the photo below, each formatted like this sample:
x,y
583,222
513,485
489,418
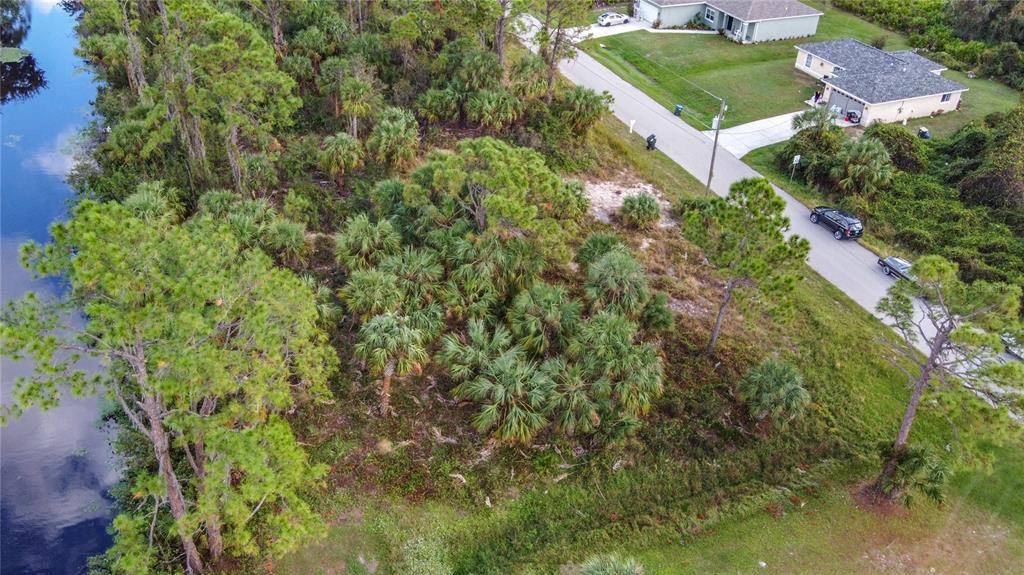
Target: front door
x,y
728,23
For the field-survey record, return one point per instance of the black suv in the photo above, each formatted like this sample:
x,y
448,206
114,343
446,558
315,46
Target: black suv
x,y
844,225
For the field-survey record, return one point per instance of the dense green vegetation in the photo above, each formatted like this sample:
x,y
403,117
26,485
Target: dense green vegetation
x,y
345,280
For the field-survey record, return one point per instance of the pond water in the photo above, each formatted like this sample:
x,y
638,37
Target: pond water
x,y
55,467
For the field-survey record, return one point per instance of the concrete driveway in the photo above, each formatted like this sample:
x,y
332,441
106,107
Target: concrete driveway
x,y
631,26
846,264
741,139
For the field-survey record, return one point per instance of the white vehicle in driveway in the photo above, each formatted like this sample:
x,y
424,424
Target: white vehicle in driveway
x,y
611,19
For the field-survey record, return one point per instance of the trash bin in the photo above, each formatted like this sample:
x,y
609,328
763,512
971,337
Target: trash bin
x,y
679,109
652,142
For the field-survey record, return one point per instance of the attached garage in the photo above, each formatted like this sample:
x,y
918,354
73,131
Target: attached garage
x,y
842,102
645,11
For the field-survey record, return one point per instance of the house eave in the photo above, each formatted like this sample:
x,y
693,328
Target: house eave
x,y
819,14
866,102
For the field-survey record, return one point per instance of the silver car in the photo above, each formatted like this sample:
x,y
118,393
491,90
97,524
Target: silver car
x,y
611,19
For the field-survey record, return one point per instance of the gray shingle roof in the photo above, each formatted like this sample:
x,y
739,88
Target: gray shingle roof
x,y
754,10
850,54
751,10
875,88
918,61
876,76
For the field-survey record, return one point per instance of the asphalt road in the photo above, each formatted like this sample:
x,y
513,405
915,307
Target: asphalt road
x,y
846,264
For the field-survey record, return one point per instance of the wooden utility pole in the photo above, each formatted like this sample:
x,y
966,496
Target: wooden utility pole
x,y
714,147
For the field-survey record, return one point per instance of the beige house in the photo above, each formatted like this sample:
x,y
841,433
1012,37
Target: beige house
x,y
879,86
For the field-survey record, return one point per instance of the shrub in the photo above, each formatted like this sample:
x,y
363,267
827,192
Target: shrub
x,y
917,469
641,211
879,41
907,152
595,246
611,565
617,281
656,316
774,390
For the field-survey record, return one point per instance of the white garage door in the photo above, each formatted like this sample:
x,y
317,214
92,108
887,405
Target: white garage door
x,y
645,11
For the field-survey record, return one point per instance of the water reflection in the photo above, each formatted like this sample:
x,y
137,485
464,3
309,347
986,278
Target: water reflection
x,y
56,466
20,75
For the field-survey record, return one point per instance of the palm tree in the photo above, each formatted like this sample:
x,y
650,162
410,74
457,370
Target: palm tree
x,y
390,347
526,78
418,272
513,264
472,300
327,309
617,281
627,374
596,245
515,396
340,153
479,70
288,240
364,244
863,167
573,403
582,108
543,318
218,203
395,138
153,204
436,106
333,72
819,119
774,390
494,109
371,292
359,98
467,355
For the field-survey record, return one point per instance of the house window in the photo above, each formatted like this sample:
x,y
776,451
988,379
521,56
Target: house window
x,y
807,61
946,97
710,14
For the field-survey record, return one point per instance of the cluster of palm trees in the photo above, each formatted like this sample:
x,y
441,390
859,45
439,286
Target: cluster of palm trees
x,y
428,284
474,88
833,162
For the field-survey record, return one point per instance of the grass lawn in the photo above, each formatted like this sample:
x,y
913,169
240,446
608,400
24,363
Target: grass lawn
x,y
983,98
980,530
832,534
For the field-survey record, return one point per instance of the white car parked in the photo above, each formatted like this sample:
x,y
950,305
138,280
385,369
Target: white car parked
x,y
612,18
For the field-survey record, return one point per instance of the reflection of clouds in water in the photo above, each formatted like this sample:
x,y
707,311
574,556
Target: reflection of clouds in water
x,y
44,6
57,159
55,465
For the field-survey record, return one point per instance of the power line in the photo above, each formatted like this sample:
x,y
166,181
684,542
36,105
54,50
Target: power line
x,y
672,73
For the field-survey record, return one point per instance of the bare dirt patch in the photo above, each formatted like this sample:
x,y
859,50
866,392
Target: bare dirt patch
x,y
606,200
